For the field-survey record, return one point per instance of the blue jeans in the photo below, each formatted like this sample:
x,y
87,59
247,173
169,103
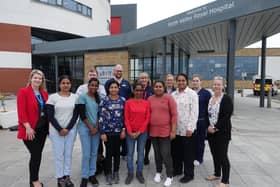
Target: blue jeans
x,y
89,152
62,150
141,141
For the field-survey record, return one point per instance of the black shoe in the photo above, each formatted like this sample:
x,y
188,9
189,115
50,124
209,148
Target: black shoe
x,y
61,182
68,182
129,178
84,182
140,177
116,177
146,161
93,180
186,179
177,173
109,179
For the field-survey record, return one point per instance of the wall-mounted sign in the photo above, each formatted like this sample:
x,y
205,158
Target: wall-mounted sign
x,y
104,73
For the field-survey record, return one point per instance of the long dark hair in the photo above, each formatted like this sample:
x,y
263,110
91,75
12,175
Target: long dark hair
x,y
159,81
64,77
183,75
113,82
96,95
134,87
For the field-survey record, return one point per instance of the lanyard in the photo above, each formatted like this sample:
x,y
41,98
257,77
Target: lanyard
x,y
40,100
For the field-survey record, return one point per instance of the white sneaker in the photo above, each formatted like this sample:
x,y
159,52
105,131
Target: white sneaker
x,y
157,177
196,163
168,182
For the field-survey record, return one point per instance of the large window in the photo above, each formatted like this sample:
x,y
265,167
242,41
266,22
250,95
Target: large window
x,y
70,5
208,67
54,67
148,65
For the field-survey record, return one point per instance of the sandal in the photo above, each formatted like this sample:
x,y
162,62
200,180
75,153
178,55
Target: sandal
x,y
222,185
212,178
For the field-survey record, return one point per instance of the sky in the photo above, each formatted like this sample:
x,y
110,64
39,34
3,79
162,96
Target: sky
x,y
150,11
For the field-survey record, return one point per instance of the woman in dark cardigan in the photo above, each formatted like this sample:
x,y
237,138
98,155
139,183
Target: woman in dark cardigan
x,y
220,109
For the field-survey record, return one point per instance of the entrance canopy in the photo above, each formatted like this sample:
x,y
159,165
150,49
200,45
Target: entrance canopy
x,y
201,30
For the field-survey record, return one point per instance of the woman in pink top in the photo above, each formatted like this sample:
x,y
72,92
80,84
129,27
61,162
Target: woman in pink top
x,y
162,130
137,117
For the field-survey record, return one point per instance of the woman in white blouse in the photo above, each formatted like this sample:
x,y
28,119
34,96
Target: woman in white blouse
x,y
183,146
220,109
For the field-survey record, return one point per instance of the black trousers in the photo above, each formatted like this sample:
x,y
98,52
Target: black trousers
x,y
183,154
123,147
148,148
35,148
219,150
112,151
162,149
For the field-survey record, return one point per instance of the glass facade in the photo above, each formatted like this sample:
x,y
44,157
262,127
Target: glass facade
x,y
70,5
143,65
208,67
65,65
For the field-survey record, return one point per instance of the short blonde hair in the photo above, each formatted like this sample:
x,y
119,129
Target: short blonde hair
x,y
39,72
92,70
220,78
196,75
169,75
145,74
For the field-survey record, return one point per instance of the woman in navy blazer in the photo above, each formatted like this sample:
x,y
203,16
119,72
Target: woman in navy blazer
x,y
30,107
220,109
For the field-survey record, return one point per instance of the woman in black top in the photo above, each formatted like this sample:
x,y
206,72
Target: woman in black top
x,y
220,109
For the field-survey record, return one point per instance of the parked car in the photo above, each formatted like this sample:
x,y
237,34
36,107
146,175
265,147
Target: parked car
x,y
270,84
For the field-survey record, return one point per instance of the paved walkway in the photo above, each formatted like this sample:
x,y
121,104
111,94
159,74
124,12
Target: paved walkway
x,y
254,153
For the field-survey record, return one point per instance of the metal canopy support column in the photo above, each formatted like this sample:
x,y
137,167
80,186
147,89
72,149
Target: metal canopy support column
x,y
142,59
263,61
179,60
231,59
152,70
134,68
187,64
56,72
164,48
172,58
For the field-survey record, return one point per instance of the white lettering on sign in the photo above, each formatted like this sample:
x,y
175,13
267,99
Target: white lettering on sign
x,y
201,12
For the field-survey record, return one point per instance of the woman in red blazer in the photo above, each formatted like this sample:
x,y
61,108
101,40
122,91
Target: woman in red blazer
x,y
32,121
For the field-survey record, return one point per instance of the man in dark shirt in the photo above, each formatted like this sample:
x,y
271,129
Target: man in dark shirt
x,y
125,87
201,129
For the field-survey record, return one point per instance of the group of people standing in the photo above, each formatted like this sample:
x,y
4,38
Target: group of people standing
x,y
175,121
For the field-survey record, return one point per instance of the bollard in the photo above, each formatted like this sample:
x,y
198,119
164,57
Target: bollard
x,y
269,98
3,105
242,92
